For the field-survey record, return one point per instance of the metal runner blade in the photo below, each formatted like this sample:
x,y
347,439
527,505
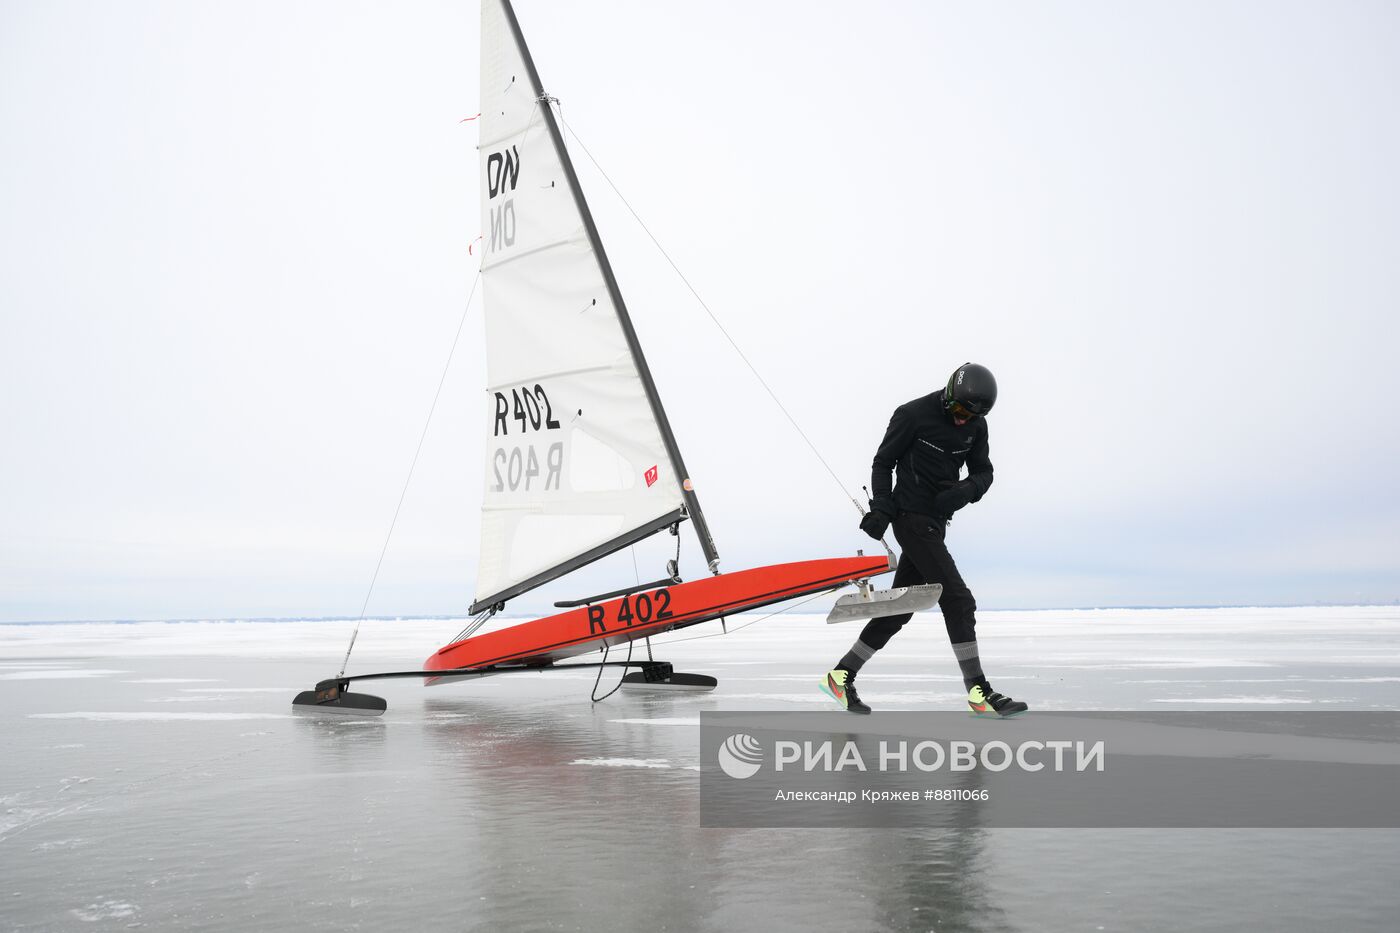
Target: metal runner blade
x,y
891,602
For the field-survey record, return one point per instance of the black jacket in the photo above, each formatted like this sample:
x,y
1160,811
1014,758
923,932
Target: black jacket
x,y
929,451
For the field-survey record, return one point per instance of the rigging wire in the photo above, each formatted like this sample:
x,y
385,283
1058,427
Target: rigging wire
x,y
740,628
481,618
715,320
404,492
477,621
599,679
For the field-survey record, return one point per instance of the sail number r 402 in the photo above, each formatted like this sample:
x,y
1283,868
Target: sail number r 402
x,y
518,469
529,406
638,609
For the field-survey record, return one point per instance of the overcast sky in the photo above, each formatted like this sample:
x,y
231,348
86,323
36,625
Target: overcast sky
x,y
234,251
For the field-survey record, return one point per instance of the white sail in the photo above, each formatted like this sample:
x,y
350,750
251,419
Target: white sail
x,y
576,464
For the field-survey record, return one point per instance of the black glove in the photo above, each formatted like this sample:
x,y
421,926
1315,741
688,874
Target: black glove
x,y
951,499
884,505
874,524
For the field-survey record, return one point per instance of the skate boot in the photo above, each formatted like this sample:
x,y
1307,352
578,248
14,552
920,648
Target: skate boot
x,y
840,685
984,701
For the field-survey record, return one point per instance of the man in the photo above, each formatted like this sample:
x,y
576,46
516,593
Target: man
x,y
929,440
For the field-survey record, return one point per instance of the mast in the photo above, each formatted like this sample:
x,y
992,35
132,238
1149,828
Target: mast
x,y
668,437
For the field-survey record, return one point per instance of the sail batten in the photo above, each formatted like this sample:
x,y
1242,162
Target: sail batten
x,y
573,372
508,137
534,251
580,460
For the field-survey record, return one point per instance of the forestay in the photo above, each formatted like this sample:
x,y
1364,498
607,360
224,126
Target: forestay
x,y
576,462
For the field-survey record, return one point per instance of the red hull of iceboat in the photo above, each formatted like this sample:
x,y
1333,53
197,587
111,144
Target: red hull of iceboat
x,y
652,612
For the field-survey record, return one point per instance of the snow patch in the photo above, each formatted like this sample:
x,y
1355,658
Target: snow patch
x,y
174,680
1265,701
157,717
623,762
1165,664
61,844
1277,680
675,721
59,674
867,677
104,910
887,697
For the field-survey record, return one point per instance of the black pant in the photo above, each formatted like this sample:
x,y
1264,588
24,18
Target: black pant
x,y
925,559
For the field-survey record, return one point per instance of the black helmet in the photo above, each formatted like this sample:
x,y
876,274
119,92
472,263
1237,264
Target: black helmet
x,y
971,387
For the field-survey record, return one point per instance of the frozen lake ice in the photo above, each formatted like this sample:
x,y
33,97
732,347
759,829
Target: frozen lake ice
x,y
156,778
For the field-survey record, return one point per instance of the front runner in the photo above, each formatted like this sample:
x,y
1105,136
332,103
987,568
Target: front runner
x,y
929,440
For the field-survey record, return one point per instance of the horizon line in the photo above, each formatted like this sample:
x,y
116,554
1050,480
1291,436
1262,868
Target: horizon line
x,y
446,618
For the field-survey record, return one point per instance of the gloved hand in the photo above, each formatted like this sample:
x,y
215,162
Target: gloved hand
x,y
951,499
874,524
884,505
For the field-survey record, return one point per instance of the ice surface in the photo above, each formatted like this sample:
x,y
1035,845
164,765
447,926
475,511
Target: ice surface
x,y
54,674
514,803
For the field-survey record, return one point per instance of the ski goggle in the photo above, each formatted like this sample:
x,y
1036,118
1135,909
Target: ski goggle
x,y
960,410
